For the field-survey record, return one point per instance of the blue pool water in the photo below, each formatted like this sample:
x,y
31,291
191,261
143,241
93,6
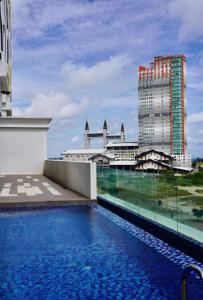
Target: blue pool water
x,y
86,253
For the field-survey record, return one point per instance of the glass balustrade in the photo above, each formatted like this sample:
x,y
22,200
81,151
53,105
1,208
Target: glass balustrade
x,y
170,199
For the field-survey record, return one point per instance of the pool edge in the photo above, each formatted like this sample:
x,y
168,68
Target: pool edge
x,y
183,243
46,203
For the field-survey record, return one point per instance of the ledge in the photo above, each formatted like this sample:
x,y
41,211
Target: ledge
x,y
12,122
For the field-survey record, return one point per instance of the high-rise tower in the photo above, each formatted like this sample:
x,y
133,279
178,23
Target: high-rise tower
x,y
162,105
5,58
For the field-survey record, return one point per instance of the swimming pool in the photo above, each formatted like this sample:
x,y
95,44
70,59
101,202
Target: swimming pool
x,y
83,252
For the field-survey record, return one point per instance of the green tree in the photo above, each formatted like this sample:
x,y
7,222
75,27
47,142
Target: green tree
x,y
197,212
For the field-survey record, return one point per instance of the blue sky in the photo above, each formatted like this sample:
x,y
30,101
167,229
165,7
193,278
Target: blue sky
x,y
78,59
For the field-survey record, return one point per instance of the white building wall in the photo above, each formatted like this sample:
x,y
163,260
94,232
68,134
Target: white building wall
x,y
81,155
183,161
77,176
154,156
23,145
149,166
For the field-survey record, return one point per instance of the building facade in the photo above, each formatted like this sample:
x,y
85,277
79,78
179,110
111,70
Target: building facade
x,y
23,145
151,165
112,155
120,153
162,105
162,122
5,58
123,151
154,155
81,154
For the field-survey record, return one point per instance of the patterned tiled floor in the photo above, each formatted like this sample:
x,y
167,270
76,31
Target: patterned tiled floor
x,y
36,189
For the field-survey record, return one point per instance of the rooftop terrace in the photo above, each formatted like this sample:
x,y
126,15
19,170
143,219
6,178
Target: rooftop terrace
x,y
35,190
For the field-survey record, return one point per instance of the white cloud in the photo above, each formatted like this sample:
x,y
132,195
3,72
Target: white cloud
x,y
57,105
22,15
195,141
75,139
197,117
122,102
195,74
79,76
78,84
190,13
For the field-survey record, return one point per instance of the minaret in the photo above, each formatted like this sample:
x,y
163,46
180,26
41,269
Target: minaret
x,y
105,133
122,134
86,138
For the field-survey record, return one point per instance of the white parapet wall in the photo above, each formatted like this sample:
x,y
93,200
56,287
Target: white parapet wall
x,y
23,145
77,176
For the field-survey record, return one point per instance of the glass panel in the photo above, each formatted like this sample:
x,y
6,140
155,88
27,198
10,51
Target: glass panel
x,y
191,205
172,200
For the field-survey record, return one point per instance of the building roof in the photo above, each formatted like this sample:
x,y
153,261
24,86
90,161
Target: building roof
x,y
122,144
109,158
142,162
183,169
84,151
153,150
122,163
21,122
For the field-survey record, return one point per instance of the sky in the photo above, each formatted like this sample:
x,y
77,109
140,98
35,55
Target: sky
x,y
78,59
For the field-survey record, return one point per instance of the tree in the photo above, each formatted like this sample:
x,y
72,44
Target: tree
x,y
194,164
197,212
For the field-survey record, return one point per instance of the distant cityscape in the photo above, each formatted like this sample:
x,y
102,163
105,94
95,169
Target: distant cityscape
x,y
162,123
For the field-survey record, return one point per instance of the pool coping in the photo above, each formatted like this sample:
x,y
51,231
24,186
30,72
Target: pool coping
x,y
46,203
183,243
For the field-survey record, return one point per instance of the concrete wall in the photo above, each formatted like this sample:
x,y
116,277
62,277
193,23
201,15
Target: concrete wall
x,y
77,176
23,145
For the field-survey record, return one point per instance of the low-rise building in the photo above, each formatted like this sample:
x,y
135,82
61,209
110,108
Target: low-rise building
x,y
151,165
128,156
182,161
102,160
112,155
154,155
81,154
154,160
123,151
